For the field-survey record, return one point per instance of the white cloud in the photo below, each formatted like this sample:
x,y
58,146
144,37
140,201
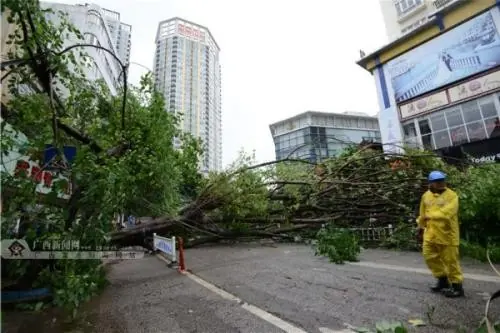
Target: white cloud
x,y
279,58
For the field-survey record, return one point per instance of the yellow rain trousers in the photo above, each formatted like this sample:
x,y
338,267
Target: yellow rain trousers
x,y
441,235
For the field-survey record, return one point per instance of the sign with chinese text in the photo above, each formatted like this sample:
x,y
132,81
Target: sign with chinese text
x,y
16,163
165,245
60,249
191,32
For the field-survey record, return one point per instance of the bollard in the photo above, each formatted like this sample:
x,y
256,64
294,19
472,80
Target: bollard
x,y
182,266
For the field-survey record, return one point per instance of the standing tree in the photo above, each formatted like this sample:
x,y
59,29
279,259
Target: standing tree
x,y
125,162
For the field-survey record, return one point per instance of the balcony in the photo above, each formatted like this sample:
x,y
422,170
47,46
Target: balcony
x,y
441,5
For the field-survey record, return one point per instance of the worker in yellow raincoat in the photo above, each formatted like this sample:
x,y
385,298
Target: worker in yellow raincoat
x,y
438,224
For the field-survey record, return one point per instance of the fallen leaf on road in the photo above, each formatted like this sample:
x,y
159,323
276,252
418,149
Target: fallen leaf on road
x,y
416,322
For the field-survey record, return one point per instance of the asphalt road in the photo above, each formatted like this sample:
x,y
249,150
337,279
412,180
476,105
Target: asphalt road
x,y
281,288
316,296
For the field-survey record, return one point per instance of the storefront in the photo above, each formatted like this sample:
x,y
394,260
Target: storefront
x,y
455,117
443,94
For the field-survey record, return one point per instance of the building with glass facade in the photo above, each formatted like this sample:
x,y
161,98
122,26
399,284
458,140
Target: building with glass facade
x,y
187,72
320,135
439,88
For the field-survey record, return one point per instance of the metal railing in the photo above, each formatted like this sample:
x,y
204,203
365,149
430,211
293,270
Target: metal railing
x,y
373,234
440,4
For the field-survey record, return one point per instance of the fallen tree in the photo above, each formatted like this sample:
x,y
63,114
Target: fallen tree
x,y
361,188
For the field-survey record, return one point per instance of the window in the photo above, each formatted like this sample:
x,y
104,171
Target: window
x,y
427,142
403,7
441,139
424,127
471,111
458,135
476,131
488,110
438,122
409,130
454,117
493,127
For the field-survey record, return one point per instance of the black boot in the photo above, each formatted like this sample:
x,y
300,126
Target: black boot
x,y
455,291
442,284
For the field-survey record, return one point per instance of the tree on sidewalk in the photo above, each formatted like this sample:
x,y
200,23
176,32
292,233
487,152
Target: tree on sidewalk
x,y
126,160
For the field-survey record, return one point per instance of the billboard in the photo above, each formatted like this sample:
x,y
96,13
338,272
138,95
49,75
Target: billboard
x,y
465,50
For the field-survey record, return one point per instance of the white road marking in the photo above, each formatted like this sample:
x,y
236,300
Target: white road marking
x,y
467,276
222,293
262,314
278,322
289,328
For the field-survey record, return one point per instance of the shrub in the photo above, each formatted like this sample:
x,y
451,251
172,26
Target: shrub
x,y
480,205
339,245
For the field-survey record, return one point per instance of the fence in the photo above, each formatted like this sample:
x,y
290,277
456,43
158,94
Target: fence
x,y
168,246
373,234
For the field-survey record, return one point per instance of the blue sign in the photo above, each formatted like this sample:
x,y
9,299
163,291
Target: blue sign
x,y
465,50
164,246
51,153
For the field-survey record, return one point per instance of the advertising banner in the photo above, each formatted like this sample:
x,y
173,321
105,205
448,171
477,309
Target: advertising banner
x,y
475,87
423,105
465,50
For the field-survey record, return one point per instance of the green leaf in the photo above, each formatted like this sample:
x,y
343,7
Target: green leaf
x,y
38,306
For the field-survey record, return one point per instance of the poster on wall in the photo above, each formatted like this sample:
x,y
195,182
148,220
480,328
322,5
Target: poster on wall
x,y
390,131
465,50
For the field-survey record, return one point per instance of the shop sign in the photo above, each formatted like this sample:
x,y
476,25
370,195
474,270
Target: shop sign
x,y
423,105
475,87
486,159
483,152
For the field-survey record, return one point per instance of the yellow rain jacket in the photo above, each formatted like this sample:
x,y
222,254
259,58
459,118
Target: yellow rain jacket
x,y
442,213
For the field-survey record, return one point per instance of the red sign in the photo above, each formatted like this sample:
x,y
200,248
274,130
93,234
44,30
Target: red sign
x,y
190,32
24,168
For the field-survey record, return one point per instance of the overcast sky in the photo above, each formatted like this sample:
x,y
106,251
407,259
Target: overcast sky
x,y
279,57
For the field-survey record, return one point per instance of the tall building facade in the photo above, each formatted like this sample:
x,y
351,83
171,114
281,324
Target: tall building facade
x,y
316,135
187,72
439,88
401,17
100,27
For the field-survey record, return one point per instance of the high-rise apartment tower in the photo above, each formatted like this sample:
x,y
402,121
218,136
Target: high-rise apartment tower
x,y
101,27
187,72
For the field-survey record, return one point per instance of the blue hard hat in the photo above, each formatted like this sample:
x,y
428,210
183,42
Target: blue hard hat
x,y
436,176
